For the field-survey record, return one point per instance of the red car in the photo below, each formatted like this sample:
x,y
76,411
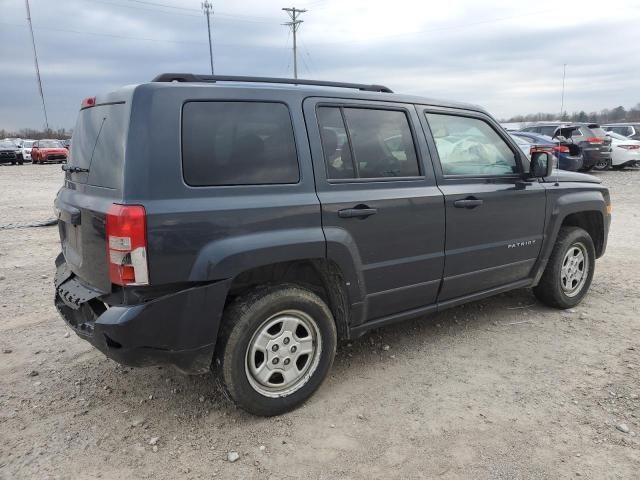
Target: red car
x,y
44,151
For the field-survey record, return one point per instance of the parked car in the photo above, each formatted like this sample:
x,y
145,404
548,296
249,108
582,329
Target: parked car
x,y
595,146
629,130
562,150
625,152
529,148
248,228
27,145
66,143
10,153
45,151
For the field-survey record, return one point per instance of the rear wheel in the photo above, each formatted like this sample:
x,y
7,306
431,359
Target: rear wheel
x,y
569,272
276,347
601,165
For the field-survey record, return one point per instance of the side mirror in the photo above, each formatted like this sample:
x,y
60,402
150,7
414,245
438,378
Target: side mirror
x,y
541,164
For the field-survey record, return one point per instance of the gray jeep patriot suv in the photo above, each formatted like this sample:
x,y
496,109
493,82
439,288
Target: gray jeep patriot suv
x,y
248,224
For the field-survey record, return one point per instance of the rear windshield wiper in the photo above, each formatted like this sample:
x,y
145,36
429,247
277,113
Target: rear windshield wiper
x,y
72,169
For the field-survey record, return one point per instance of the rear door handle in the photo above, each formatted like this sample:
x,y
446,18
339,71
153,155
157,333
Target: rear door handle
x,y
468,203
360,211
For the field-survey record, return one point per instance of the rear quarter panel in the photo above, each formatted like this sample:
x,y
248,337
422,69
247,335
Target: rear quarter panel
x,y
211,233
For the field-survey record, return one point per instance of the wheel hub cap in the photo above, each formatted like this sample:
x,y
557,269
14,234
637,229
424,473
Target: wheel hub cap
x,y
575,269
283,353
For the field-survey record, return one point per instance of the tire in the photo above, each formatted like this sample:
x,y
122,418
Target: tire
x,y
562,285
254,338
601,165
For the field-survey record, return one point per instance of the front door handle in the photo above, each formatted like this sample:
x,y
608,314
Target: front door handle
x,y
359,211
470,202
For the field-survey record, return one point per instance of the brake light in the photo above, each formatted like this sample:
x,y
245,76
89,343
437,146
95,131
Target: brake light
x,y
630,147
126,233
595,140
561,149
88,102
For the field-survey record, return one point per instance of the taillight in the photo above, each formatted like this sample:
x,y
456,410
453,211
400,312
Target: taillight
x,y
630,147
561,149
126,233
595,140
88,102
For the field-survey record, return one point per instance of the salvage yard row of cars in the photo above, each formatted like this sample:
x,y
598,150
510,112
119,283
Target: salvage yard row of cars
x,y
17,151
583,146
576,146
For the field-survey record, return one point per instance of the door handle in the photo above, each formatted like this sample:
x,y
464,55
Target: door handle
x,y
470,202
360,211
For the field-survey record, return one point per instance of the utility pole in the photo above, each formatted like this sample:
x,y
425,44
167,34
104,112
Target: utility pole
x,y
564,74
294,24
207,8
35,57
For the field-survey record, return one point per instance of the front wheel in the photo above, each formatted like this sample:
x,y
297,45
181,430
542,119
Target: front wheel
x,y
568,274
276,346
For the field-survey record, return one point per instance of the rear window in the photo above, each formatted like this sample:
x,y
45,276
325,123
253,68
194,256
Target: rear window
x,y
548,131
238,143
598,132
98,144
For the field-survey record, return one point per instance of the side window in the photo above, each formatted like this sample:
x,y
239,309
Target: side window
x,y
375,143
469,146
238,143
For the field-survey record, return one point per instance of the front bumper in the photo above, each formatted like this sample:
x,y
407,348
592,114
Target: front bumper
x,y
178,329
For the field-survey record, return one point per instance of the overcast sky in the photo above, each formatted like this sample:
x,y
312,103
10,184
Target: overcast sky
x,y
505,55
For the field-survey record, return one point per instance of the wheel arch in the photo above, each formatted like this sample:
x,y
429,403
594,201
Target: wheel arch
x,y
320,275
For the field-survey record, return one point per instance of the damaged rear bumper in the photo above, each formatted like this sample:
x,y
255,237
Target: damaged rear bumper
x,y
178,329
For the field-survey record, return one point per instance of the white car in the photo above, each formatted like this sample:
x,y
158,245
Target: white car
x,y
624,152
26,149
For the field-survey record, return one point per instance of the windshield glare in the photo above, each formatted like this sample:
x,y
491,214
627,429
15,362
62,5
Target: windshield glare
x,y
8,145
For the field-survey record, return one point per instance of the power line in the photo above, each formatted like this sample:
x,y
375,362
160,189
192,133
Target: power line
x,y
153,7
208,10
35,58
249,18
80,32
293,13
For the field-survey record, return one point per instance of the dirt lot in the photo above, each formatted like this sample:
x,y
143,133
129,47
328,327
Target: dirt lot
x,y
498,389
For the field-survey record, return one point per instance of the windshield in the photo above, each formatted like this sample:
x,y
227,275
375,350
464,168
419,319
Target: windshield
x,y
28,144
49,144
5,144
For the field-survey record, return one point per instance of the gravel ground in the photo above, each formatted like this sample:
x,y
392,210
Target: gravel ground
x,y
498,389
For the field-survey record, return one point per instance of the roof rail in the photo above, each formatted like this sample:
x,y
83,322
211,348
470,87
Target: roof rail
x,y
190,77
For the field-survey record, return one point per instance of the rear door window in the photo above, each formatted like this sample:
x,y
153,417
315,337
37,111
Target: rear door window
x,y
367,143
238,143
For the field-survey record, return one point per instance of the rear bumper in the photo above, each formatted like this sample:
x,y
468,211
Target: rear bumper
x,y
591,156
179,329
572,163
